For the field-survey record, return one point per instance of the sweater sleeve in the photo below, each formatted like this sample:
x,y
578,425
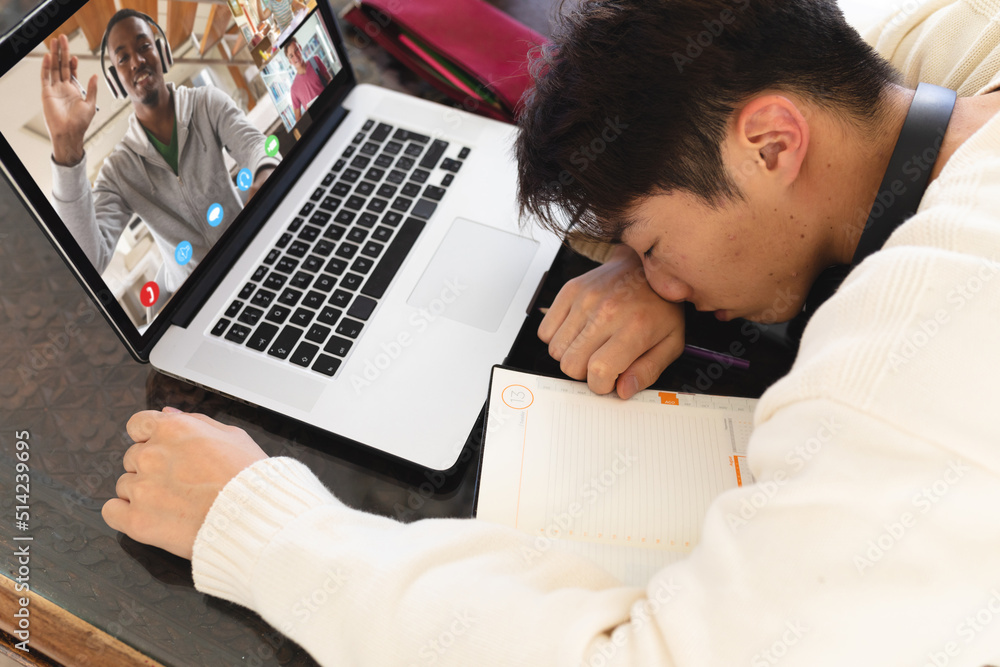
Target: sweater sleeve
x,y
243,141
95,217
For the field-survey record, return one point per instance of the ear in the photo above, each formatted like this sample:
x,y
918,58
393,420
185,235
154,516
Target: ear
x,y
774,131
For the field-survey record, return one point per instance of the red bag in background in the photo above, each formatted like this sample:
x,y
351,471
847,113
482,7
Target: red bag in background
x,y
468,49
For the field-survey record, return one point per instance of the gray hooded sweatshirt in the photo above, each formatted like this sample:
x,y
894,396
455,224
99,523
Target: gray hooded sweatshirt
x,y
135,179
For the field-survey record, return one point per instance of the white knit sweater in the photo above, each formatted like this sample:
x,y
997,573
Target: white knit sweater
x,y
871,538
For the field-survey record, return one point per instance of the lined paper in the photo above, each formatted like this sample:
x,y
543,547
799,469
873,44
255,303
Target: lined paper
x,y
624,483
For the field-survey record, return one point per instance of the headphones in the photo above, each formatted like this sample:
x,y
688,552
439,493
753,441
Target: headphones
x,y
162,47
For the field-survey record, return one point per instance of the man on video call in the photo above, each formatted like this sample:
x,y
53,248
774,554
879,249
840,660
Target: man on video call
x,y
870,535
311,77
169,168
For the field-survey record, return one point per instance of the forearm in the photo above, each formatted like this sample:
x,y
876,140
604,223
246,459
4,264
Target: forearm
x,y
73,200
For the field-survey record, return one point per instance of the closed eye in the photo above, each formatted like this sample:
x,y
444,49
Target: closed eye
x,y
649,253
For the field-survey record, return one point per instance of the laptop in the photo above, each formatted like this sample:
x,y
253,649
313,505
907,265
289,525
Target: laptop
x,y
368,286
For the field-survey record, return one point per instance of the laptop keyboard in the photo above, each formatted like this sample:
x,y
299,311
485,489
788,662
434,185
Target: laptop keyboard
x,y
318,286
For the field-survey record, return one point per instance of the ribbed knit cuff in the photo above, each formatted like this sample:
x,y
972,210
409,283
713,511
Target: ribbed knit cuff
x,y
69,183
251,509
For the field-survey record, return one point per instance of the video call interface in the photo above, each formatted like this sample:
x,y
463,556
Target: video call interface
x,y
139,222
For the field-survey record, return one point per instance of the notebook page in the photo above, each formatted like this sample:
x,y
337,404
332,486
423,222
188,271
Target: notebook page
x,y
624,483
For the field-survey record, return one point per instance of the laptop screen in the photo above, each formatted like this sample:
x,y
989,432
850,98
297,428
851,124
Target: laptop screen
x,y
146,156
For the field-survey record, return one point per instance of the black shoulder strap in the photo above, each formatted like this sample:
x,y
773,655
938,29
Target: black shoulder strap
x,y
901,190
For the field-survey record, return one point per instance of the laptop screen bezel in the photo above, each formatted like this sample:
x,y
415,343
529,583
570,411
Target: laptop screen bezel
x,y
38,26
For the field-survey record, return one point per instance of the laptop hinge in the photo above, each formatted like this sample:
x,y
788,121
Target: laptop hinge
x,y
272,193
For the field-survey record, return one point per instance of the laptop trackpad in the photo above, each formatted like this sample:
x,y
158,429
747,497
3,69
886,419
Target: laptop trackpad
x,y
474,274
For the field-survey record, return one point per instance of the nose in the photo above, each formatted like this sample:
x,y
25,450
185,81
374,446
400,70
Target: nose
x,y
670,287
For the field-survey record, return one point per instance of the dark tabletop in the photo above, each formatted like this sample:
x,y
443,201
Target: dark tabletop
x,y
66,379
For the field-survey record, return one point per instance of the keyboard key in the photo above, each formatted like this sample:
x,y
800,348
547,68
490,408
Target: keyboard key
x,y
372,249
341,298
220,327
323,248
338,346
336,266
420,176
312,263
424,209
302,317
367,220
374,174
349,151
396,176
341,189
338,165
358,138
350,328
414,150
434,192
262,336
328,180
393,258
262,299
284,343
351,281
329,315
405,163
272,256
387,191
382,234
325,282
448,178
313,299
356,235
317,194
362,265
304,354
335,232
346,250
401,204
298,249
234,308
326,365
406,135
434,154
365,188
368,125
411,190
290,296
306,210
345,217
317,333
309,233
278,314
383,161
354,202
275,281
381,133
283,240
247,291
360,162
362,308
392,219
238,333
451,165
320,218
351,175
301,280
330,204
286,265
393,147
464,153
250,315
259,274
369,148
377,205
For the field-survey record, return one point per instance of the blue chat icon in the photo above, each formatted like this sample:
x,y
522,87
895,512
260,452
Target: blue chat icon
x,y
244,179
214,215
183,252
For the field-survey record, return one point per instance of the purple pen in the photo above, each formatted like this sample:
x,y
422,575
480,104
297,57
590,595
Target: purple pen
x,y
724,359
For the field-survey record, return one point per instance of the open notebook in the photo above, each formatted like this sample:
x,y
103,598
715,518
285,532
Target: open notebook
x,y
623,483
